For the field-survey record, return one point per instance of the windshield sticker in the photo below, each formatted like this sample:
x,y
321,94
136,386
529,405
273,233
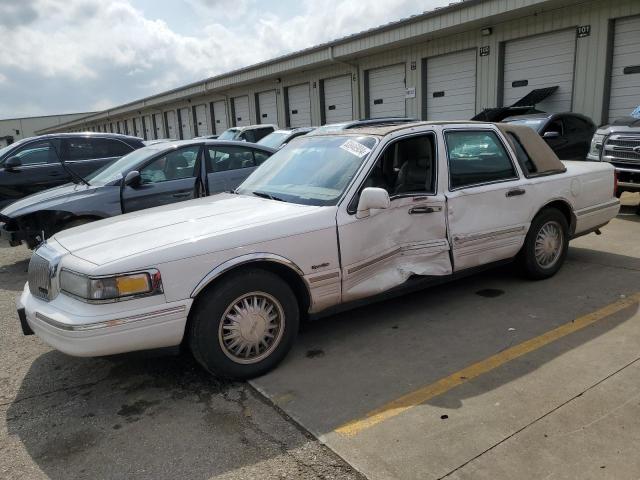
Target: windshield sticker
x,y
355,148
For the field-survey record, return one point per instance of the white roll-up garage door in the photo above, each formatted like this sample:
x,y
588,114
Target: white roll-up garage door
x,y
545,60
137,127
219,117
241,111
451,86
387,91
185,123
267,107
158,125
128,129
338,99
299,103
148,127
201,120
172,125
625,68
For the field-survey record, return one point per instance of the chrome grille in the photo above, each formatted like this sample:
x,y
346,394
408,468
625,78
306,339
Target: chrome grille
x,y
622,148
39,277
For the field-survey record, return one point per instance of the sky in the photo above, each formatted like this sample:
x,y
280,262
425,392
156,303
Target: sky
x,y
65,56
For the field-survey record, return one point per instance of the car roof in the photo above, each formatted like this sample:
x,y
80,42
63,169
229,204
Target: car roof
x,y
541,115
207,141
252,127
382,130
87,134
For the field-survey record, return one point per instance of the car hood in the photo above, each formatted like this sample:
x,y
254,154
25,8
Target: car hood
x,y
47,199
203,225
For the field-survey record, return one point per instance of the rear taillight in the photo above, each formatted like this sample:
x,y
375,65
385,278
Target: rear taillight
x,y
615,183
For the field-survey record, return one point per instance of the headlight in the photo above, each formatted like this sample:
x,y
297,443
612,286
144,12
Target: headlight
x,y
596,146
110,288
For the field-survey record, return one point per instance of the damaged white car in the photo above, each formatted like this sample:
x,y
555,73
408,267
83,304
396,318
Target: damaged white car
x,y
326,221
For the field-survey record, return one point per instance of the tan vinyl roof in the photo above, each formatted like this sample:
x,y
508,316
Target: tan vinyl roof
x,y
545,159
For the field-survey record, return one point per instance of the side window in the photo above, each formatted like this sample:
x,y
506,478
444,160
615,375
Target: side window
x,y
260,133
527,165
221,159
106,147
172,166
405,167
476,157
79,149
36,153
577,126
248,136
260,156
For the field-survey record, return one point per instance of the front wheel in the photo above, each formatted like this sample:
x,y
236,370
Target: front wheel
x,y
245,325
545,247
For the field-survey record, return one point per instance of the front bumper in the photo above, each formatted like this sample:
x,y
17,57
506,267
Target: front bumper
x,y
628,179
85,330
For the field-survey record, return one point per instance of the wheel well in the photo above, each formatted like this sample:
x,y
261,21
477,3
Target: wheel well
x,y
566,210
292,278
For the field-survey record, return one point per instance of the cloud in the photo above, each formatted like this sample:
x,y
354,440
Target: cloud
x,y
90,53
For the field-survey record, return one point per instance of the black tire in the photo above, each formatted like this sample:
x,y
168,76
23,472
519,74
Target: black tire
x,y
205,335
534,267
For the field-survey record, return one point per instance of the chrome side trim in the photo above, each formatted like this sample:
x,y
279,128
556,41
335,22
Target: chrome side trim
x,y
242,260
374,260
480,236
604,206
109,323
320,278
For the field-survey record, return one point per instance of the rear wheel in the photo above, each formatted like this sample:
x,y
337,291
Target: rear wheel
x,y
245,325
546,245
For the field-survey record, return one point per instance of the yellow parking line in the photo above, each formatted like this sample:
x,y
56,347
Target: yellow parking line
x,y
400,405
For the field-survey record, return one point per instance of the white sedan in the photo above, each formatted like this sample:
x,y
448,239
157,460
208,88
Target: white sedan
x,y
328,220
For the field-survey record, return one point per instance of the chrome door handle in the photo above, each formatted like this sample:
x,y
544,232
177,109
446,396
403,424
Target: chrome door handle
x,y
421,210
515,192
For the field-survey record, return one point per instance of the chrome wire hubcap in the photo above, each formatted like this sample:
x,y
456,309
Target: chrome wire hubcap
x,y
251,327
549,244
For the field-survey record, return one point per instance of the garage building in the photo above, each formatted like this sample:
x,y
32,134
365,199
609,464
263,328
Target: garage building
x,y
446,64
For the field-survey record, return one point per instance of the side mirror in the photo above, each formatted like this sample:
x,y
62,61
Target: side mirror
x,y
372,198
132,179
12,162
551,135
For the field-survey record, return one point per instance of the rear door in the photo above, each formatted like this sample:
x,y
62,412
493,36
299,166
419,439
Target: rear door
x,y
488,205
228,166
172,177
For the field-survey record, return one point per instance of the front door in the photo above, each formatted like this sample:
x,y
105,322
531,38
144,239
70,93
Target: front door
x,y
386,248
488,204
172,177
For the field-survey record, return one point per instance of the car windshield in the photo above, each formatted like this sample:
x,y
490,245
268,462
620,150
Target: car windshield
x,y
115,171
274,139
229,134
534,123
310,170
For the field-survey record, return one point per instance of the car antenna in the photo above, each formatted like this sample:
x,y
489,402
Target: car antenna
x,y
66,167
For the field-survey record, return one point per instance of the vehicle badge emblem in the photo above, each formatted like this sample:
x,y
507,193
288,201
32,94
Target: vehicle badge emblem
x,y
637,149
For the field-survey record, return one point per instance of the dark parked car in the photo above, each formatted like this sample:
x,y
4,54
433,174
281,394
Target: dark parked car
x,y
568,134
159,174
280,138
34,164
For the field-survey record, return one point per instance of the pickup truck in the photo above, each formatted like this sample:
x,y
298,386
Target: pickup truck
x,y
618,143
326,223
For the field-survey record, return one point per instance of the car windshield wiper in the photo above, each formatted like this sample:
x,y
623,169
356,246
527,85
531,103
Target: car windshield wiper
x,y
74,176
267,195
